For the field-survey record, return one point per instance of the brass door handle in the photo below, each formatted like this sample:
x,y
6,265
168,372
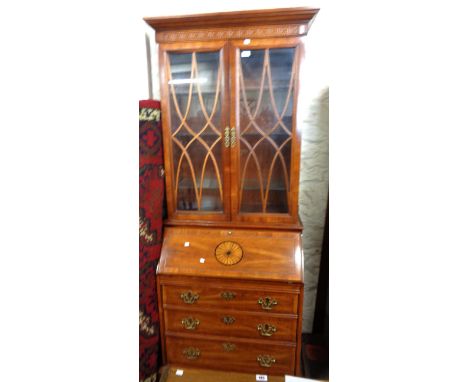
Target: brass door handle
x,y
190,323
266,330
268,303
191,353
189,297
228,296
227,139
233,136
265,360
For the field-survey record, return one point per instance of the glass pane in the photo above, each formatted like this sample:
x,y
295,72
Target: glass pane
x,y
195,104
266,86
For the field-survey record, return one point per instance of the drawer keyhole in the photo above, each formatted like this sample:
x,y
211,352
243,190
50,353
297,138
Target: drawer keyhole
x,y
227,346
228,320
228,296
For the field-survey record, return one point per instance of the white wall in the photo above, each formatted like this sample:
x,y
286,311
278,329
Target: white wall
x,y
312,117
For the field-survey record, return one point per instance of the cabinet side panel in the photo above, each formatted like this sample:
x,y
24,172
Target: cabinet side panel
x,y
162,325
166,122
297,137
299,334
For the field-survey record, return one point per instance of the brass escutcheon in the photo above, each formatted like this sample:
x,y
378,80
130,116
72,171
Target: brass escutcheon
x,y
266,330
228,296
267,303
228,320
190,323
189,297
265,360
191,353
227,346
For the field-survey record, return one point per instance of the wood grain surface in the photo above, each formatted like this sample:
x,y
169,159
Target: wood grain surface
x,y
268,255
168,374
246,300
213,354
278,16
240,324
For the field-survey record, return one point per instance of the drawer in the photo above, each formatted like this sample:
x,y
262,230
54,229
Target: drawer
x,y
230,323
231,355
200,296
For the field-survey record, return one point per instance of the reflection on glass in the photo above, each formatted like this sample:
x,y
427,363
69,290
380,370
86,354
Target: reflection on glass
x,y
195,106
266,81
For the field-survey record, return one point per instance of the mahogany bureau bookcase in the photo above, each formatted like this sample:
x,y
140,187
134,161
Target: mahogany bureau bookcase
x,y
230,277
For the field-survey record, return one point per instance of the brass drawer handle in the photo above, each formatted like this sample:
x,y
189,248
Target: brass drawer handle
x,y
268,303
228,296
233,136
228,320
265,360
266,330
227,140
191,353
190,323
189,297
227,346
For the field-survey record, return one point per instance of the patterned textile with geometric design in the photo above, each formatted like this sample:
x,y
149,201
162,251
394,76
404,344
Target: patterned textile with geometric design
x,y
151,215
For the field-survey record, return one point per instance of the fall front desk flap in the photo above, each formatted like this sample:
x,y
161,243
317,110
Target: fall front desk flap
x,y
262,255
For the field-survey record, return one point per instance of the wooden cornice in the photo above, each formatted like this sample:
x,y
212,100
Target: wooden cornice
x,y
238,19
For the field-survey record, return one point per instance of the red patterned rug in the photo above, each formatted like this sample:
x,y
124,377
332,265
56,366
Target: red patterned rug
x,y
151,214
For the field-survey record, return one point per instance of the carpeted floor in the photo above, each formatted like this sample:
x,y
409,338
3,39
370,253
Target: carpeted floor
x,y
315,357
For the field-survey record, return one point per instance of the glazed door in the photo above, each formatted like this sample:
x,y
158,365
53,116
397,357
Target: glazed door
x,y
264,96
195,112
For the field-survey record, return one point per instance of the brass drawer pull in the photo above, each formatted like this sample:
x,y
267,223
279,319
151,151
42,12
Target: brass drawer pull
x,y
265,360
266,330
228,296
268,303
191,353
190,323
227,346
189,297
228,320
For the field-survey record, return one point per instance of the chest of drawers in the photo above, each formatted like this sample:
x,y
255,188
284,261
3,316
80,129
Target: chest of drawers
x,y
241,317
